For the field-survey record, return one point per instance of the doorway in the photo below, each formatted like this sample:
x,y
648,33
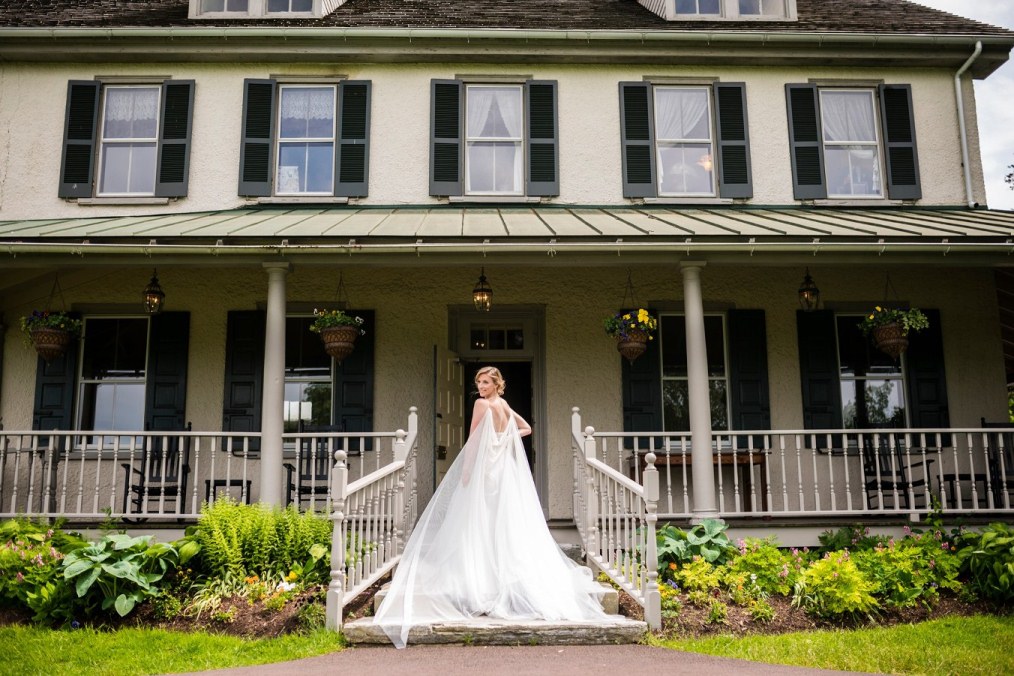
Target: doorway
x,y
519,394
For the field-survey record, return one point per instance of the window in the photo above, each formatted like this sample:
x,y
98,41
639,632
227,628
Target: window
x,y
762,8
493,139
232,6
214,9
137,134
698,7
497,337
685,141
290,6
851,143
305,140
724,10
675,384
307,376
872,384
113,369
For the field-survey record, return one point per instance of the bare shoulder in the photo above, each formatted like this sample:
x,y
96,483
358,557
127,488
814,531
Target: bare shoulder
x,y
481,406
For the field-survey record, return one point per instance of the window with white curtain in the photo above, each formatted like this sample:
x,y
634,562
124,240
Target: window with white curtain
x,y
306,140
129,145
698,6
683,141
208,6
494,130
851,143
762,7
275,6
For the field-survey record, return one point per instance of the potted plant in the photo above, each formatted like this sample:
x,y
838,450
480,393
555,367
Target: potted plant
x,y
50,332
338,331
890,328
632,330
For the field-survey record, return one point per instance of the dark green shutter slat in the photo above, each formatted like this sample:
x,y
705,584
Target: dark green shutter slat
x,y
642,389
924,371
748,371
166,376
543,139
257,138
352,391
805,146
637,140
900,156
446,143
77,165
244,372
55,386
174,139
734,174
818,369
352,155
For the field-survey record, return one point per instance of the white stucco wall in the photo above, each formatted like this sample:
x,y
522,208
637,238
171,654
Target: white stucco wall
x,y
33,102
582,367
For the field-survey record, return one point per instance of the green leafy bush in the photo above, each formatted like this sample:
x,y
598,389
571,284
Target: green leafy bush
x,y
698,575
853,538
31,576
987,560
902,574
706,540
835,588
764,565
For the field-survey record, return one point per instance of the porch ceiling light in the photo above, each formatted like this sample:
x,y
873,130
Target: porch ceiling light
x,y
482,294
809,294
154,296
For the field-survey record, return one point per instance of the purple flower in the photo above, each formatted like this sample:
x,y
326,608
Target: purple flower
x,y
20,577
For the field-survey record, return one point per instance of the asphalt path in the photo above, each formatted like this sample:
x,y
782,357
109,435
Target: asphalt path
x,y
443,660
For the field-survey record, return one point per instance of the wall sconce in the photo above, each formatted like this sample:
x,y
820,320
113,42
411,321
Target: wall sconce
x,y
154,296
809,294
482,294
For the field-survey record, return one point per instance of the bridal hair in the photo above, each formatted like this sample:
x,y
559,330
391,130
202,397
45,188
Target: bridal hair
x,y
494,375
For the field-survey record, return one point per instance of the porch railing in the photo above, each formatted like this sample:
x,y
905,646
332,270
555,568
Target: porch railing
x,y
372,517
615,517
800,473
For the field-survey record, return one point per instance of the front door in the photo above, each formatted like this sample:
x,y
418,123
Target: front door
x,y
518,376
449,417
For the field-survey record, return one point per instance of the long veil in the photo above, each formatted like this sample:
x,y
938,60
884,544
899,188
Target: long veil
x,y
482,547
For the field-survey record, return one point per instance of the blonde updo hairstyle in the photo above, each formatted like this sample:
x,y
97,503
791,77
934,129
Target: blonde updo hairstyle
x,y
494,375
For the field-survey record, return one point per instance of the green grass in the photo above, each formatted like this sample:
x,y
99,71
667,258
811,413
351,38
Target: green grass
x,y
953,645
29,650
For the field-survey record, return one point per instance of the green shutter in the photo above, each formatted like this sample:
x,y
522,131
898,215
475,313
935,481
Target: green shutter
x,y
805,147
258,138
352,391
55,386
924,371
642,389
818,369
446,143
166,376
748,370
174,138
734,176
543,139
637,140
352,152
900,154
244,372
77,165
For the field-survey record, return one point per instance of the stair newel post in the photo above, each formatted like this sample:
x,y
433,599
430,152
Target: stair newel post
x,y
649,591
400,453
336,588
575,431
591,496
410,459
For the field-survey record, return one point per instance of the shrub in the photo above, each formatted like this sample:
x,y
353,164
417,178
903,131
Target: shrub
x,y
310,616
765,566
718,612
902,575
835,588
671,606
706,540
987,559
853,538
761,611
698,575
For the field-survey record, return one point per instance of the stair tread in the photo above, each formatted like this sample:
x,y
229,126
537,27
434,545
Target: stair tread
x,y
498,631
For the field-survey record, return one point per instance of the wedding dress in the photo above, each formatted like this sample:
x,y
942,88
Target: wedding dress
x,y
482,547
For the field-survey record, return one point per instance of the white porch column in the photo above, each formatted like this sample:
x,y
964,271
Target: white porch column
x,y
702,469
273,398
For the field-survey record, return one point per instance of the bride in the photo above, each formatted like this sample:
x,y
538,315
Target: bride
x,y
482,546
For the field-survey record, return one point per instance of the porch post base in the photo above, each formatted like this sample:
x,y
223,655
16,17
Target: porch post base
x,y
699,516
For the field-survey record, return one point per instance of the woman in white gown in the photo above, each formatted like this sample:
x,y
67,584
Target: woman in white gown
x,y
482,546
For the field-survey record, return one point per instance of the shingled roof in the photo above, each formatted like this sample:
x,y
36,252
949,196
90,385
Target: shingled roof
x,y
820,16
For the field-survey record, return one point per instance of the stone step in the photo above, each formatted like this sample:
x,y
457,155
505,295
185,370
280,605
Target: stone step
x,y
610,598
491,631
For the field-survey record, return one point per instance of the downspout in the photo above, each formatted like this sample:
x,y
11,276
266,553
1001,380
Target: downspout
x,y
962,130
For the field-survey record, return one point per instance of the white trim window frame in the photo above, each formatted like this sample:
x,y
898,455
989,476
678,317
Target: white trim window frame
x,y
708,8
302,8
762,8
851,143
128,140
718,381
305,144
684,141
229,8
882,381
494,137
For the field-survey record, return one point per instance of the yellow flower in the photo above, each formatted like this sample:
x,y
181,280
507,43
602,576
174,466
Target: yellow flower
x,y
877,308
642,315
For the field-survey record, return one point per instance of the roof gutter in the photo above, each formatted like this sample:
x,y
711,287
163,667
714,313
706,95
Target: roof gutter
x,y
963,130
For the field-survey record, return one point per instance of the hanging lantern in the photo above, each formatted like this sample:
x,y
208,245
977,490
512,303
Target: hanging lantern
x,y
482,294
809,294
154,296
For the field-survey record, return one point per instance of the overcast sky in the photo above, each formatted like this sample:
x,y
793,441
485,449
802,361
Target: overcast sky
x,y
994,98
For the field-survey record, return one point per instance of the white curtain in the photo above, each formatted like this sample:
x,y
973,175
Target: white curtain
x,y
131,103
494,112
301,103
680,114
848,116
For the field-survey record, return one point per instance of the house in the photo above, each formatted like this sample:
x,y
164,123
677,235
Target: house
x,y
256,160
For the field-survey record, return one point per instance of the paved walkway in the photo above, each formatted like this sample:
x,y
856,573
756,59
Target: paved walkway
x,y
444,660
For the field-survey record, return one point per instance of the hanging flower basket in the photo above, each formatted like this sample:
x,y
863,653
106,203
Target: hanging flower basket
x,y
339,341
632,345
890,339
632,331
50,333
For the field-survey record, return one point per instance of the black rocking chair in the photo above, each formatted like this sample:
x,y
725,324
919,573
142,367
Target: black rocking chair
x,y
309,480
891,473
159,480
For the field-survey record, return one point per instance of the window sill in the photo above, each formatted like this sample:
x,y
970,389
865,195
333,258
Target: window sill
x,y
688,201
860,203
302,200
494,199
121,201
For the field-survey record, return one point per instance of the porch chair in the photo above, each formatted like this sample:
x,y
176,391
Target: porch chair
x,y
161,475
309,479
1001,464
953,479
884,474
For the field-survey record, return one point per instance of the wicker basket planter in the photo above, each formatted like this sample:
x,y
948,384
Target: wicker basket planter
x,y
50,343
632,345
339,341
890,339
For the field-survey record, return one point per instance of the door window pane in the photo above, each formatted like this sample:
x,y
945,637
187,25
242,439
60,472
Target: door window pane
x,y
872,384
675,402
113,369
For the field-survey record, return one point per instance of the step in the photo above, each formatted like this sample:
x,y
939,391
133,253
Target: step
x,y
490,631
610,598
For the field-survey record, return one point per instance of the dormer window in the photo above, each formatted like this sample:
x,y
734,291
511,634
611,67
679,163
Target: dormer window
x,y
723,10
225,6
280,9
290,6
